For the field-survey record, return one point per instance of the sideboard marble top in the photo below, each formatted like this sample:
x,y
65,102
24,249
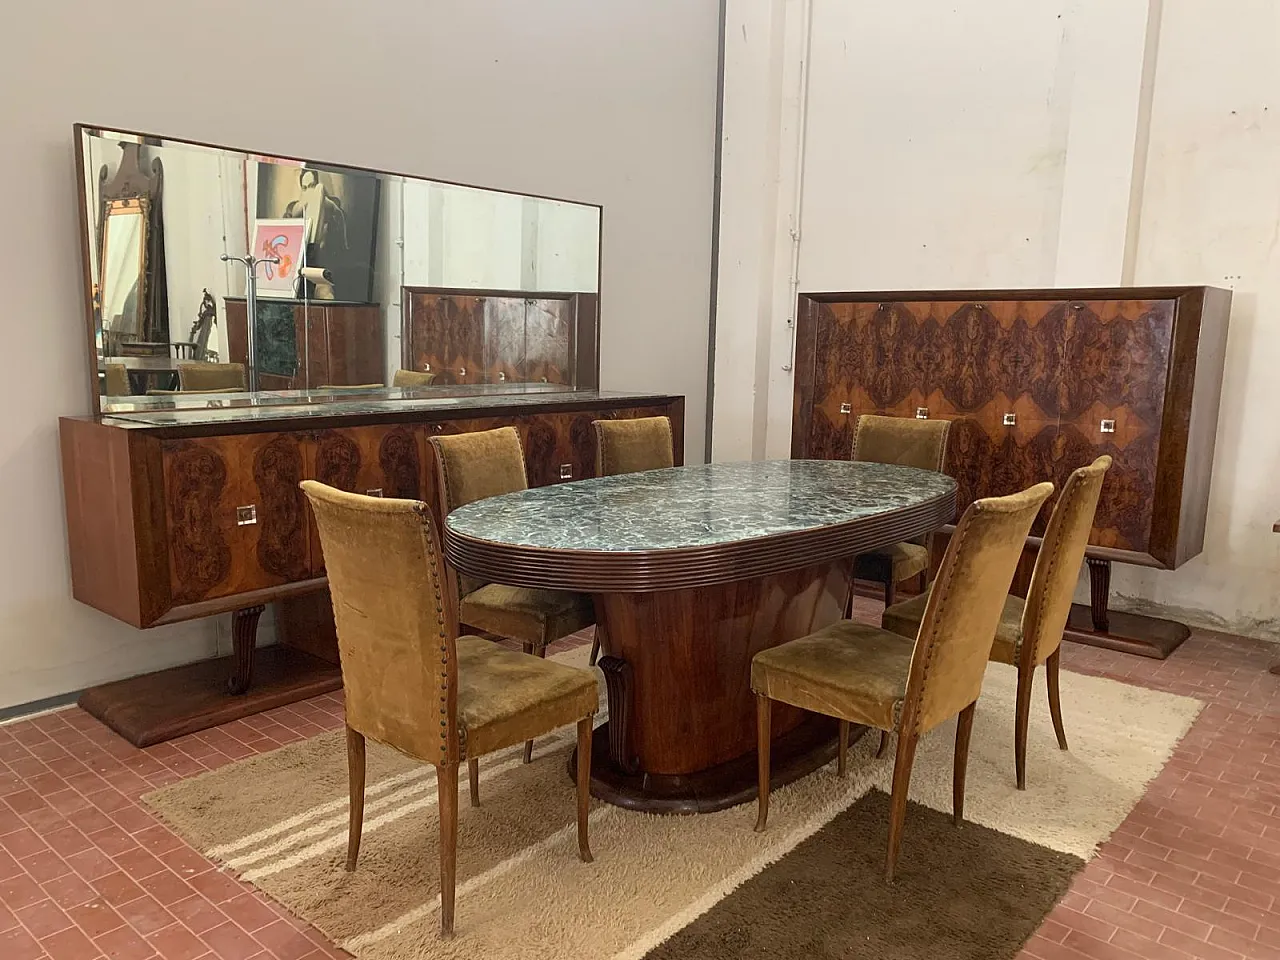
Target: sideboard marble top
x,y
697,506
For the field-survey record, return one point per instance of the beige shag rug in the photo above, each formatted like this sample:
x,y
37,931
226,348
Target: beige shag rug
x,y
279,822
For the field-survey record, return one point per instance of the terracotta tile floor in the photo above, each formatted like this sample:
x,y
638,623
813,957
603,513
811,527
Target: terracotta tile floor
x,y
86,872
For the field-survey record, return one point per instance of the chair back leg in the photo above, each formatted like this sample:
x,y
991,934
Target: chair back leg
x,y
473,780
584,787
1055,699
884,745
1021,719
355,789
764,716
447,790
842,754
898,800
540,651
964,728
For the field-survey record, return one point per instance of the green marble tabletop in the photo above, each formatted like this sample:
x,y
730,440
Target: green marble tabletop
x,y
697,506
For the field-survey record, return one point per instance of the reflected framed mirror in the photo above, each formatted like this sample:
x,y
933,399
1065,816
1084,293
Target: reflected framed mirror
x,y
308,282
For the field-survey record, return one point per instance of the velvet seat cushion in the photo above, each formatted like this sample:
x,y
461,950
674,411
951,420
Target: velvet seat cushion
x,y
526,614
847,670
905,560
505,698
904,619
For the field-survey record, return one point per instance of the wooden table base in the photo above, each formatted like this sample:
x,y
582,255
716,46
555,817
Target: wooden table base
x,y
160,706
795,754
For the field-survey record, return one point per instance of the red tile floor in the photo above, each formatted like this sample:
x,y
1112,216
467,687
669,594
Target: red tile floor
x,y
86,872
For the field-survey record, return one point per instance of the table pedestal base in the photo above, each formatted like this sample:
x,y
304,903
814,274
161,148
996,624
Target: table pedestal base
x,y
796,753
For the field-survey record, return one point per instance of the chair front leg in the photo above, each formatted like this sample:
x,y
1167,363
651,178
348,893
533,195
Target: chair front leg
x,y
898,800
584,787
447,791
1055,699
764,716
1021,720
964,729
355,789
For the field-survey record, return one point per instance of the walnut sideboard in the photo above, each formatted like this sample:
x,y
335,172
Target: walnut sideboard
x,y
178,514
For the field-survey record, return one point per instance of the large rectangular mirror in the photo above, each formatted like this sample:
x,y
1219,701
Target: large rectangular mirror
x,y
359,282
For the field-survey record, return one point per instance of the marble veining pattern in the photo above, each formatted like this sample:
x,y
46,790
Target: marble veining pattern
x,y
697,506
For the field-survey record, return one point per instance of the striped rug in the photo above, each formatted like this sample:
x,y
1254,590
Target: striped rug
x,y
704,886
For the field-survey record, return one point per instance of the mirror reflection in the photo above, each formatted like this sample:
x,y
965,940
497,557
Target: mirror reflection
x,y
360,283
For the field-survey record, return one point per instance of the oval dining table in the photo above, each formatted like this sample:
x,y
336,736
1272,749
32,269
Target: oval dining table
x,y
694,570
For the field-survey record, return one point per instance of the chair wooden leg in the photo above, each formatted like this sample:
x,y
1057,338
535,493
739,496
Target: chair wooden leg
x,y
898,800
447,790
595,649
473,780
1055,699
528,744
890,592
842,755
355,787
584,787
764,714
1022,718
964,728
884,745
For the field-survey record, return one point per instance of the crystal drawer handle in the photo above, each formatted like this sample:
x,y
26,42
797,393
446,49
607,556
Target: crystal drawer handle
x,y
1107,426
846,408
247,516
922,413
1010,419
566,471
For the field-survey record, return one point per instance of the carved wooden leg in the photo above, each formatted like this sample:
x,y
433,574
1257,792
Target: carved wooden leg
x,y
884,745
764,739
898,800
1022,718
355,789
617,684
964,728
473,780
584,787
528,744
842,756
244,638
1055,700
1099,592
447,790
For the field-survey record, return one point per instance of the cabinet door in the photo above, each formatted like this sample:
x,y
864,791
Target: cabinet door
x,y
548,341
355,345
446,336
549,450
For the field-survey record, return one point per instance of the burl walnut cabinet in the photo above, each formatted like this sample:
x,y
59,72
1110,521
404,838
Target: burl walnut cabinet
x,y
1037,383
332,344
172,517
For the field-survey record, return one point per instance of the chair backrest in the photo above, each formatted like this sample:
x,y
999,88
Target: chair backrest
x,y
964,607
198,376
117,380
1053,581
396,619
904,441
412,378
629,446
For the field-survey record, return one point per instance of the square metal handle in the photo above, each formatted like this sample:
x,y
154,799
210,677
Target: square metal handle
x,y
922,413
846,408
246,515
1107,426
1010,419
566,471
375,492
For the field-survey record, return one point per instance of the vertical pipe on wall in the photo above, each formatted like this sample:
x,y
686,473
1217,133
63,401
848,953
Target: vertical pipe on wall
x,y
797,208
1142,141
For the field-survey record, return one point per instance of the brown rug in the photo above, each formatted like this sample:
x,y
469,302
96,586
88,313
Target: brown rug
x,y
811,885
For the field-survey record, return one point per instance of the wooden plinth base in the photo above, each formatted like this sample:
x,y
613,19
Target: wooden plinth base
x,y
1127,632
160,706
795,754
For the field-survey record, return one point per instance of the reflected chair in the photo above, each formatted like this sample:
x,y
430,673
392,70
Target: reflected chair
x,y
179,393
906,442
116,380
352,387
630,446
1030,631
487,463
412,378
866,675
197,376
412,683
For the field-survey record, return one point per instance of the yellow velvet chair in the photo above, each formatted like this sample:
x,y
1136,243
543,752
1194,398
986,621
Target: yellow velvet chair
x,y
487,463
866,675
629,446
907,442
116,380
412,378
1030,631
198,376
412,683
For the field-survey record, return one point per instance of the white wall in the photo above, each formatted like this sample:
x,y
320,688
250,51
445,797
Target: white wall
x,y
609,101
1066,142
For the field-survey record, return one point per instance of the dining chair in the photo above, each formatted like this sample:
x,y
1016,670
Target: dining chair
x,y
865,675
412,378
906,442
487,463
116,380
198,376
411,683
630,446
1030,630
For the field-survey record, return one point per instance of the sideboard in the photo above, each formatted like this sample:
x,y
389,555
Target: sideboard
x,y
185,513
1037,383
